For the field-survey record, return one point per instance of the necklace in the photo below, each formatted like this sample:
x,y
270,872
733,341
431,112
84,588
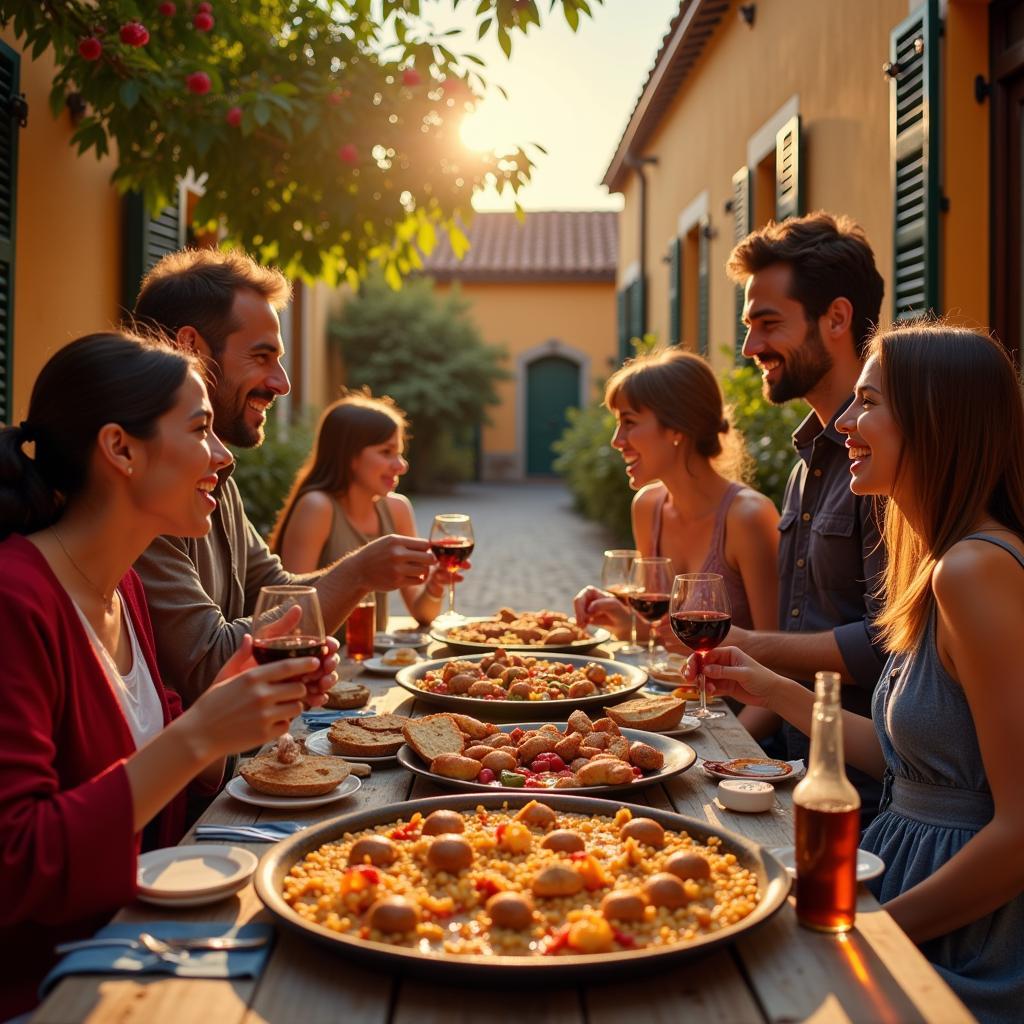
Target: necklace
x,y
108,600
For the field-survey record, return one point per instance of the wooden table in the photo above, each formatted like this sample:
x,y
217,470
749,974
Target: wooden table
x,y
780,972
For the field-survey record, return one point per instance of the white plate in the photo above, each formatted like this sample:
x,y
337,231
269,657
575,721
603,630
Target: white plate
x,y
241,790
686,724
186,872
319,743
414,639
381,667
193,901
868,865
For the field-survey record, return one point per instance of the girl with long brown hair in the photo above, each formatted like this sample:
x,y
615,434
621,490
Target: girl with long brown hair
x,y
937,426
687,464
344,497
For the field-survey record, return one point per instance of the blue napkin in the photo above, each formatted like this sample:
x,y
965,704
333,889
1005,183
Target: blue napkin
x,y
324,716
274,830
201,963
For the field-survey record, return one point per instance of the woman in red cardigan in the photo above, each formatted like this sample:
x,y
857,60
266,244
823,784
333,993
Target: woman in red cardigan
x,y
93,749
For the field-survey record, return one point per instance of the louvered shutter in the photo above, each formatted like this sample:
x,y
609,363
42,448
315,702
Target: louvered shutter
x,y
9,80
741,228
622,303
146,240
675,291
637,309
703,279
914,153
788,171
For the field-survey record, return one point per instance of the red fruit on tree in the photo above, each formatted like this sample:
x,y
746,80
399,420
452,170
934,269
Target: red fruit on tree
x,y
348,153
203,21
90,48
167,9
234,116
410,77
198,82
134,34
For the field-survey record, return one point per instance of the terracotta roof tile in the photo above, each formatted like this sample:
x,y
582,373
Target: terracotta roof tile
x,y
551,245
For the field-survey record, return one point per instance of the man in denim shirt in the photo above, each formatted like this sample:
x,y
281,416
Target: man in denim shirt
x,y
812,300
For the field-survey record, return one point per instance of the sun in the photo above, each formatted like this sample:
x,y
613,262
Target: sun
x,y
484,130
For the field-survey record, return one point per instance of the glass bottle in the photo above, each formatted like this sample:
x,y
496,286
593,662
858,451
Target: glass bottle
x,y
827,810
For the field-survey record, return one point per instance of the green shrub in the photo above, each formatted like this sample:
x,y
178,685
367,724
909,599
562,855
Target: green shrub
x,y
768,428
264,475
426,353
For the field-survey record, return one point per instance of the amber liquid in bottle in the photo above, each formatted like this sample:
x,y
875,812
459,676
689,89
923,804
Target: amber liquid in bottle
x,y
827,809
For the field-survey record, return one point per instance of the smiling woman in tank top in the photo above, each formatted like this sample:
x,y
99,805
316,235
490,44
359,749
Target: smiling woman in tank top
x,y
685,462
344,497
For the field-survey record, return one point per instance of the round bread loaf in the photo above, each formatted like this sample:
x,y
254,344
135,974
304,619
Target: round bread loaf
x,y
344,696
309,776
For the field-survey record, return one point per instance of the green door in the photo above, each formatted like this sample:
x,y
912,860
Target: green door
x,y
552,387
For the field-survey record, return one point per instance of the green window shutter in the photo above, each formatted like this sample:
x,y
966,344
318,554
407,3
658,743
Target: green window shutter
x,y
675,292
146,240
9,81
742,221
622,304
637,309
789,197
703,278
914,153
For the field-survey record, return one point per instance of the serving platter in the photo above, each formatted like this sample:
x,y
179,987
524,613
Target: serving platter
x,y
772,879
503,710
679,757
596,636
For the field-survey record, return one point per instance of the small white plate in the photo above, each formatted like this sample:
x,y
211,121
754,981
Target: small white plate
x,y
185,872
868,865
387,641
381,667
797,772
241,790
319,743
686,724
193,901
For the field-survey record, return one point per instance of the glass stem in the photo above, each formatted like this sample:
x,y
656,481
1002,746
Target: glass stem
x,y
702,685
650,644
632,627
451,598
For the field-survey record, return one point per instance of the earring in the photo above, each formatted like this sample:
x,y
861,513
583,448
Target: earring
x,y
131,469
675,443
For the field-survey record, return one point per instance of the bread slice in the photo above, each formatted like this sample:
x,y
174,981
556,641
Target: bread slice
x,y
348,738
345,695
308,776
654,714
434,735
382,723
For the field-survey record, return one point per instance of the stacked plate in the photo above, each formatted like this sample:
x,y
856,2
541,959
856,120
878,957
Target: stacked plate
x,y
190,876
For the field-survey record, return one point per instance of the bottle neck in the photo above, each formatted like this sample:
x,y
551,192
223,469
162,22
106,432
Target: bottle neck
x,y
826,784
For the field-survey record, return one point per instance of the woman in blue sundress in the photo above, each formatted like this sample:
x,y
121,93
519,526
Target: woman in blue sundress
x,y
938,428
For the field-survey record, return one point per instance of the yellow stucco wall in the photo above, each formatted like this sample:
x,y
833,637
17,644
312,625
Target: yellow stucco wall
x,y
827,54
524,317
68,235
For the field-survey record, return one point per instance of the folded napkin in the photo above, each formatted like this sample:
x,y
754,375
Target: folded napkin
x,y
272,831
324,716
201,963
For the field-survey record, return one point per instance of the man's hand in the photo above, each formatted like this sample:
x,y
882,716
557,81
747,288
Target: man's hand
x,y
390,562
592,605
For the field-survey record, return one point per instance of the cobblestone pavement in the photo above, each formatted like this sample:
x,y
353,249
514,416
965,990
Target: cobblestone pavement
x,y
532,549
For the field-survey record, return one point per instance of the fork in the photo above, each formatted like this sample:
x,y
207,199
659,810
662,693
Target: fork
x,y
169,949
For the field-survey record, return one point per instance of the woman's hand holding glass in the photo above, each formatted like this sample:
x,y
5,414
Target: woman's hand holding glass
x,y
729,672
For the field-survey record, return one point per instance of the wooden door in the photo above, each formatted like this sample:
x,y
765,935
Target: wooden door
x,y
552,387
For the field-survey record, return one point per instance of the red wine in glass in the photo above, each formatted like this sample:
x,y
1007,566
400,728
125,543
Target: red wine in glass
x,y
279,648
653,607
451,552
701,631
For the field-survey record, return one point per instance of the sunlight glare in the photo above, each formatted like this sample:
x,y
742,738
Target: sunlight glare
x,y
485,130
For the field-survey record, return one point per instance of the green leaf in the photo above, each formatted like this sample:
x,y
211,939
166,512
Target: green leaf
x,y
572,16
459,242
484,27
129,93
505,40
285,89
261,112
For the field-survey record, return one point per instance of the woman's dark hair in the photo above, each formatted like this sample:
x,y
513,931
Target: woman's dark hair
x,y
93,381
355,421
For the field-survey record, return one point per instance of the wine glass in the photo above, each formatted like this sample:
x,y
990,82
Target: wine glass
x,y
618,563
650,589
700,616
287,623
451,541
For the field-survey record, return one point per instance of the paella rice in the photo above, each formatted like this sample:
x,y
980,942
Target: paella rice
x,y
532,882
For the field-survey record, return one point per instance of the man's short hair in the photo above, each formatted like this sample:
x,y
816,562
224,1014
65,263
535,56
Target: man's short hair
x,y
196,288
830,257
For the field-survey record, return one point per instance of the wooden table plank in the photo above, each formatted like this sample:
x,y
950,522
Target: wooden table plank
x,y
418,1003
